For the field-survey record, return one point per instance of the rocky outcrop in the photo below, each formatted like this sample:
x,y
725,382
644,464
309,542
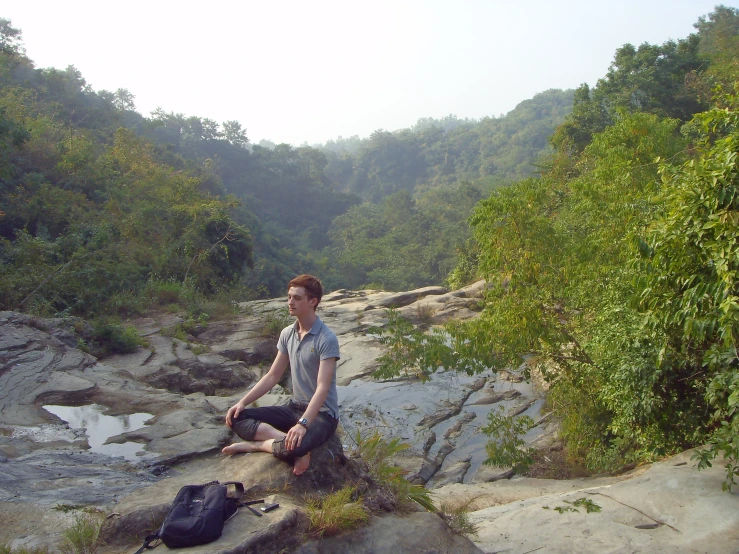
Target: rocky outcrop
x,y
186,384
186,378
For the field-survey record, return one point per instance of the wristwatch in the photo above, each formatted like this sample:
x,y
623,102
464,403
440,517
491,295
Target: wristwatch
x,y
303,422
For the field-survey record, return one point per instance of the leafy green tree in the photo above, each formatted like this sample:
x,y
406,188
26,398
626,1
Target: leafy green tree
x,y
10,38
234,133
688,284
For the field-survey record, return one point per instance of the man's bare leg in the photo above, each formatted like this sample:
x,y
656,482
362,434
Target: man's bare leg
x,y
263,439
249,446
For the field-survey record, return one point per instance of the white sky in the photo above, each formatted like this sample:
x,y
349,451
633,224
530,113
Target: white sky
x,y
309,71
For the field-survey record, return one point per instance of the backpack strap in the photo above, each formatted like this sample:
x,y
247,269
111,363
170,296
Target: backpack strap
x,y
248,505
238,484
153,538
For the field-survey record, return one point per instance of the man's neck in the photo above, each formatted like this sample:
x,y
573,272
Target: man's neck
x,y
306,323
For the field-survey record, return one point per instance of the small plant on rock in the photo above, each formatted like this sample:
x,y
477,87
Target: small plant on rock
x,y
275,321
335,512
375,451
83,536
456,516
507,447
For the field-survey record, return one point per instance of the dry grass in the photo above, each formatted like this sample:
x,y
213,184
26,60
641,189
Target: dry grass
x,y
335,512
456,516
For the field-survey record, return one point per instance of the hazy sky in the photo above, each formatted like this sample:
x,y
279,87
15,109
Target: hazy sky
x,y
309,71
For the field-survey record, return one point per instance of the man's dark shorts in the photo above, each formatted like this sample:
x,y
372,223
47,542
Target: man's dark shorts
x,y
284,418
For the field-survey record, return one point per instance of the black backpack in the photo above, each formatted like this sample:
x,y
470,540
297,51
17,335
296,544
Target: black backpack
x,y
197,515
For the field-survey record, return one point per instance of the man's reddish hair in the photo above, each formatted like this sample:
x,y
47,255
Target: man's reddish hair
x,y
313,287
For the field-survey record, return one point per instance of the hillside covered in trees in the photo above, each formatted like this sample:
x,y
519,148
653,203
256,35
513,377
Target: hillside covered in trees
x,y
615,271
103,208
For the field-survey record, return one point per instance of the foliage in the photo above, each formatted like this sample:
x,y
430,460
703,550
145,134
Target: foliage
x,y
649,79
456,516
376,452
589,505
109,337
413,352
507,447
335,512
687,283
275,321
82,537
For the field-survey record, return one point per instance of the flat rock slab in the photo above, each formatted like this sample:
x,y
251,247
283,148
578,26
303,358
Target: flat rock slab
x,y
36,365
358,357
73,477
419,532
671,507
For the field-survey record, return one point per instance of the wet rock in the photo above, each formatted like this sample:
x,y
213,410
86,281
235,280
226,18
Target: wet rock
x,y
453,408
73,477
490,396
454,473
430,467
34,366
429,442
455,430
489,474
509,376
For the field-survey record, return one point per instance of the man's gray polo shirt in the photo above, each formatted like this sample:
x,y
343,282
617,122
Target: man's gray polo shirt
x,y
318,344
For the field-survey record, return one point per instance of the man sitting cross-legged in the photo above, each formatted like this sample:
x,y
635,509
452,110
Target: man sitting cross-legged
x,y
312,350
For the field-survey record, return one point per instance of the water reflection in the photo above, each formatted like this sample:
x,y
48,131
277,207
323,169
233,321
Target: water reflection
x,y
100,427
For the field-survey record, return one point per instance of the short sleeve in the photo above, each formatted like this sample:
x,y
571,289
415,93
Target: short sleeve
x,y
329,347
282,341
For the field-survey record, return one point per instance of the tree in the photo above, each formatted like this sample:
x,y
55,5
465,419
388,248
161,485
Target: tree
x,y
124,100
234,134
688,284
10,38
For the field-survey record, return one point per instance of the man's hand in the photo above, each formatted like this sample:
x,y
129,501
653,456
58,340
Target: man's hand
x,y
233,412
295,436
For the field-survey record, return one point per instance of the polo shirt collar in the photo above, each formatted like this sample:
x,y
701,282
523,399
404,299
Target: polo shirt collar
x,y
313,330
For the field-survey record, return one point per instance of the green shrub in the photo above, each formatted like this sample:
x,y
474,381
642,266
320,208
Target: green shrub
x,y
275,321
506,447
114,338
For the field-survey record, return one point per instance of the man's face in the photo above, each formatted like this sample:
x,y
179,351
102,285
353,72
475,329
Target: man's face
x,y
299,303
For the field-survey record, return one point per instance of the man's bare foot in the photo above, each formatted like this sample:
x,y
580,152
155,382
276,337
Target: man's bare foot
x,y
301,464
248,446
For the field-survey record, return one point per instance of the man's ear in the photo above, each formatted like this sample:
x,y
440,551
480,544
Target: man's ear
x,y
313,302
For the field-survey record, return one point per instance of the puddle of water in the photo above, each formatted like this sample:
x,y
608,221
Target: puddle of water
x,y
100,427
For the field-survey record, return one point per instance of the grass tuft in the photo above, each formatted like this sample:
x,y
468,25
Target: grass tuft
x,y
456,516
375,451
335,512
83,536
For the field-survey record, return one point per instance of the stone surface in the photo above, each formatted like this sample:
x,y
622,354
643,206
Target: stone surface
x,y
188,386
419,532
670,507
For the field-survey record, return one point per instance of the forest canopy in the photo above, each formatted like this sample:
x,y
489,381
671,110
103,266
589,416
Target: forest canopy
x,y
613,273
